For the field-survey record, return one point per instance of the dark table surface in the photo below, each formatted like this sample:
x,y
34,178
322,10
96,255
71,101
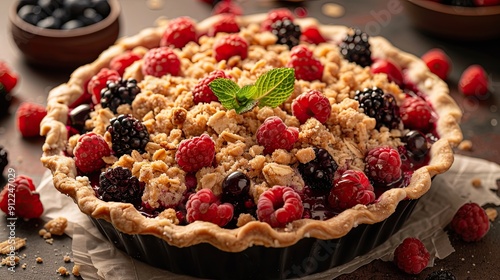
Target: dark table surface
x,y
478,260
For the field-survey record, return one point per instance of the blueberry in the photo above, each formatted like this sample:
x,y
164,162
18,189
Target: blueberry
x,y
31,13
72,24
235,184
102,7
90,16
49,22
48,6
61,14
416,144
22,3
76,7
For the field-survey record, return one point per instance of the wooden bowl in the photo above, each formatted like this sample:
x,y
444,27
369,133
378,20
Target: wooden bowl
x,y
65,49
454,22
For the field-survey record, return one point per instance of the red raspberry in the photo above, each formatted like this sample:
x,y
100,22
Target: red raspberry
x,y
89,151
204,206
195,153
312,35
178,33
416,113
161,61
411,256
29,116
27,203
350,189
311,104
473,81
275,15
279,206
229,46
383,165
274,134
227,7
202,91
120,62
227,24
438,62
470,222
7,78
393,72
481,3
99,81
306,66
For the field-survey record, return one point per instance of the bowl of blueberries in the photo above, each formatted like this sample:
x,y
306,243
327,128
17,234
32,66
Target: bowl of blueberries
x,y
64,34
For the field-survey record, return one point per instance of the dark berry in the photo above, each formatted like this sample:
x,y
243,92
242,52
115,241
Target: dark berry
x,y
356,48
4,161
127,134
79,115
102,7
416,144
5,100
287,32
380,106
49,22
441,275
118,184
118,93
318,173
462,3
235,184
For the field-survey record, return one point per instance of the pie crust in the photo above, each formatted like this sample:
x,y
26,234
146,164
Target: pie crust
x,y
127,219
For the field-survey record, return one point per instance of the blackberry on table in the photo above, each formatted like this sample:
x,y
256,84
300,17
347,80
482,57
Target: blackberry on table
x,y
118,184
356,48
118,93
318,173
4,161
287,32
127,134
380,106
441,275
5,100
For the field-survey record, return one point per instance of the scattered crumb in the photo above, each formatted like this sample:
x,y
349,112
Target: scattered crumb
x,y
67,259
47,235
24,265
11,245
8,260
76,270
39,260
56,226
50,241
62,271
491,213
465,145
333,10
476,182
42,232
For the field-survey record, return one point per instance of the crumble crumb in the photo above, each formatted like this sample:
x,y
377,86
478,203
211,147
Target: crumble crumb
x,y
62,271
56,226
76,270
24,265
465,145
42,232
476,182
39,260
7,245
50,241
47,235
492,213
7,260
67,259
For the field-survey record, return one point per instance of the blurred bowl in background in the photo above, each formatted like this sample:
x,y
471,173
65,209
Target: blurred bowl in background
x,y
454,22
64,49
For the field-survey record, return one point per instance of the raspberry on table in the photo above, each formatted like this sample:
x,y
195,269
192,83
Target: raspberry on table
x,y
274,134
438,62
202,91
195,153
120,62
227,24
416,113
119,92
411,256
470,222
311,104
319,172
275,15
312,35
306,66
178,32
380,106
474,81
127,134
227,7
119,185
161,61
287,32
8,79
383,165
205,206
98,82
350,189
279,206
441,275
29,116
356,48
27,202
89,151
229,46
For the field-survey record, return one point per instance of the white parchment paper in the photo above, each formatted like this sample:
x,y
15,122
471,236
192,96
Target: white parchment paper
x,y
99,259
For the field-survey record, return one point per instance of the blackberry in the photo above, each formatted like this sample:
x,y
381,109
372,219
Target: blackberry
x,y
118,93
127,134
287,32
462,3
4,161
5,100
318,173
235,190
356,48
380,106
441,275
118,184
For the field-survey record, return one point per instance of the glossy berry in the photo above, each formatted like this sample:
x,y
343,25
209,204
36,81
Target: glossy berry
x,y
227,24
319,172
356,48
229,46
178,32
287,32
274,134
98,82
380,106
311,104
441,275
89,151
127,134
383,165
438,62
4,160
194,153
119,92
235,190
312,35
29,116
352,188
411,256
306,66
416,144
416,113
119,185
275,15
279,206
393,72
27,202
205,206
474,81
202,93
470,222
161,61
8,79
78,116
120,62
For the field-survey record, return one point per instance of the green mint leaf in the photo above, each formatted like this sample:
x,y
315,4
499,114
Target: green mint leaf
x,y
274,87
246,106
225,90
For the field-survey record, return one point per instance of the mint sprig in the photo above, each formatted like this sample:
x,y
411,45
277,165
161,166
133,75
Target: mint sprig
x,y
271,89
